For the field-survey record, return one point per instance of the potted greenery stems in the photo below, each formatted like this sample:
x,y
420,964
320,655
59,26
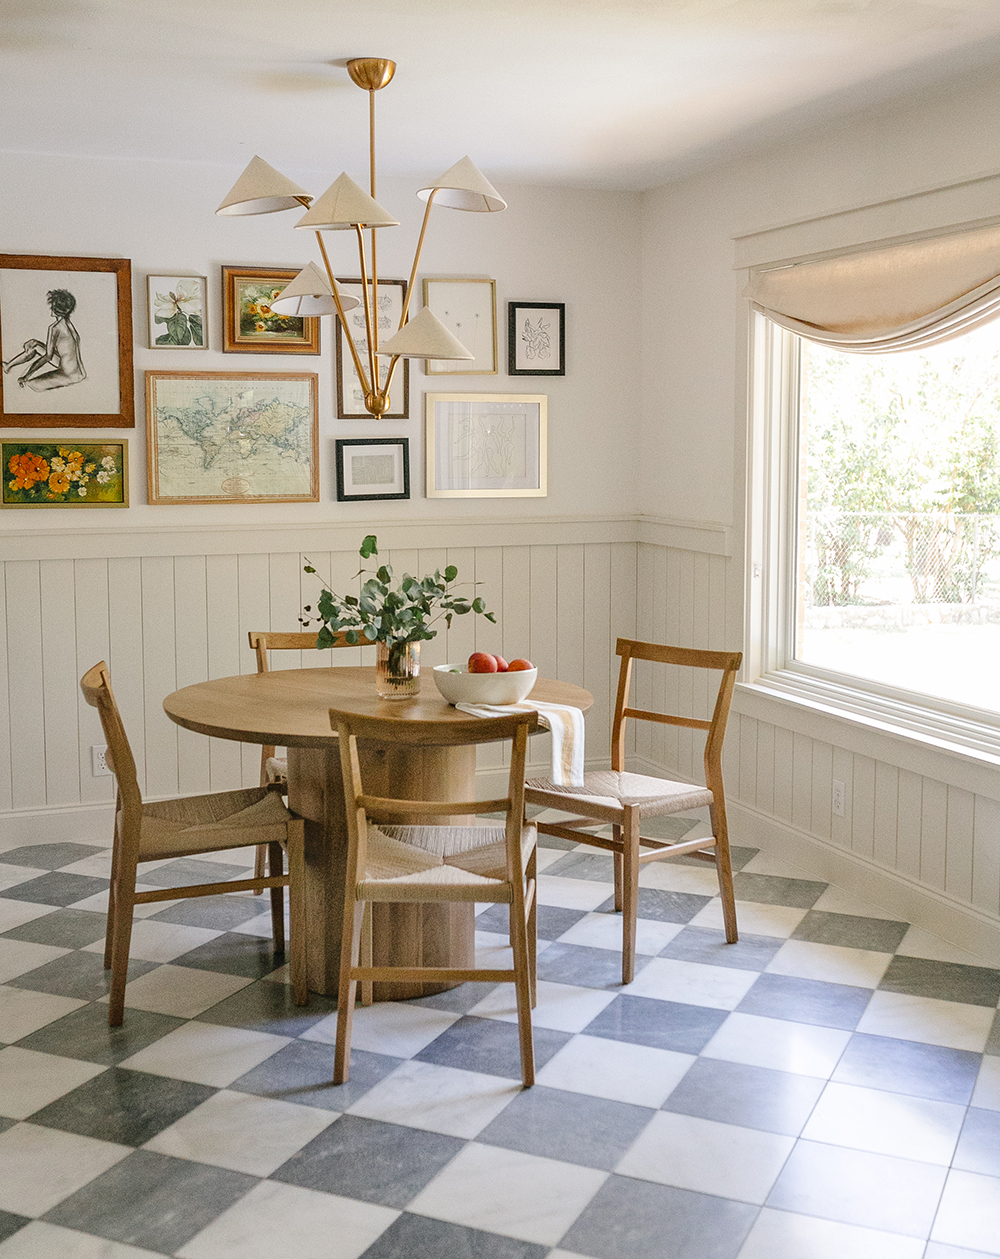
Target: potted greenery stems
x,y
396,614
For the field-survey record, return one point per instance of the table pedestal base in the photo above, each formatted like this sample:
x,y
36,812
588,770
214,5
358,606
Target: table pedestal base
x,y
403,934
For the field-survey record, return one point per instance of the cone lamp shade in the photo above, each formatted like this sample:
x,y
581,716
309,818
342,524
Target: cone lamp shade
x,y
262,190
344,205
310,294
425,336
464,187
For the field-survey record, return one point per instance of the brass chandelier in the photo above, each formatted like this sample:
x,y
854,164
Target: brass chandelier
x,y
347,207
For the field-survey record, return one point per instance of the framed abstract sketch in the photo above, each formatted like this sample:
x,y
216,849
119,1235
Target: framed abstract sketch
x,y
64,474
232,437
372,468
65,342
250,326
486,445
536,338
177,312
468,309
350,395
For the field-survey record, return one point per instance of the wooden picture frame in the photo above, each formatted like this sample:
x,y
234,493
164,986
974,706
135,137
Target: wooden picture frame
x,y
204,443
536,338
248,324
468,309
384,473
66,342
486,445
177,312
350,403
64,473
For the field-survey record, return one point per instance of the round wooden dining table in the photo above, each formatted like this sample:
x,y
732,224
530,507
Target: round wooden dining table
x,y
291,708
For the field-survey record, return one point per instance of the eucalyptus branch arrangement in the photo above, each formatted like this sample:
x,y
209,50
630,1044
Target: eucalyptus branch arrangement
x,y
386,613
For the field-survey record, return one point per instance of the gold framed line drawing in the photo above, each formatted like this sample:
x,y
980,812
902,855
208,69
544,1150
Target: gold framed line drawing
x,y
468,309
65,342
64,474
232,437
486,445
250,326
350,396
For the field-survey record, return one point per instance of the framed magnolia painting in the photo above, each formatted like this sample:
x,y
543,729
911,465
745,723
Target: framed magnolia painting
x,y
468,309
387,309
64,474
65,342
177,312
486,445
250,326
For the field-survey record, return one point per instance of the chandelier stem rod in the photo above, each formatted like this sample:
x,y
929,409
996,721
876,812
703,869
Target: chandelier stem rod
x,y
341,315
366,290
373,332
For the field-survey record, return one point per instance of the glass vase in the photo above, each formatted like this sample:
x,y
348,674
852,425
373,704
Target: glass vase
x,y
397,670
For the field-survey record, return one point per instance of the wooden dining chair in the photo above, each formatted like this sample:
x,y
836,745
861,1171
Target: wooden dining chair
x,y
625,799
184,828
274,769
388,862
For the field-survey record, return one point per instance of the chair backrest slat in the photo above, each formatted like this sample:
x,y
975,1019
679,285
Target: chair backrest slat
x,y
301,640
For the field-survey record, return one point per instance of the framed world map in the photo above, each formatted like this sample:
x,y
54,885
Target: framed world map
x,y
232,437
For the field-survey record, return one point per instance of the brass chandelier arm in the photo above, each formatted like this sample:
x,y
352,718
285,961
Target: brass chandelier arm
x,y
368,309
342,316
409,288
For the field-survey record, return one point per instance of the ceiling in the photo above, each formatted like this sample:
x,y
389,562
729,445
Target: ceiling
x,y
594,93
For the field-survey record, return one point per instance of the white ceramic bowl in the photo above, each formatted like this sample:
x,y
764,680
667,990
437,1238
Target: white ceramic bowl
x,y
483,688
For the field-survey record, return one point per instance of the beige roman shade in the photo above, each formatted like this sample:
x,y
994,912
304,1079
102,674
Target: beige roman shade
x,y
901,297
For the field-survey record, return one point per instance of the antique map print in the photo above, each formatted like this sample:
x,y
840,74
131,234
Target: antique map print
x,y
232,437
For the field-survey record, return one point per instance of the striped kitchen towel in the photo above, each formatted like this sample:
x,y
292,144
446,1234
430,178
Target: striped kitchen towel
x,y
566,724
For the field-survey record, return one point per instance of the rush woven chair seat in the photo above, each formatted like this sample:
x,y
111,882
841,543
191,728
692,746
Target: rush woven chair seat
x,y
388,862
187,827
624,799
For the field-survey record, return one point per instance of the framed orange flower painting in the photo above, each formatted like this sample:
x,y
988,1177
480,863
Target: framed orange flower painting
x,y
64,474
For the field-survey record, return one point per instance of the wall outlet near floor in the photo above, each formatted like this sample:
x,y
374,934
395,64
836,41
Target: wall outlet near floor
x,y
838,798
99,760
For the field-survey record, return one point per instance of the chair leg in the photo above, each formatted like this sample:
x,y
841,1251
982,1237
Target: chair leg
x,y
276,865
109,933
350,946
724,869
297,907
258,867
532,874
616,835
367,988
124,902
522,988
630,891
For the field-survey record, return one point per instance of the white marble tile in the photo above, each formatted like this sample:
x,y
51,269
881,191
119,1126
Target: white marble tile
x,y
11,876
23,1012
769,863
206,1053
708,1157
17,913
504,1191
242,1132
753,918
562,1007
154,941
698,880
572,893
41,1166
796,1047
30,1080
275,1220
969,1214
96,866
180,990
830,963
927,1019
615,1069
836,901
786,1235
548,857
692,983
886,1123
920,943
987,1094
388,1027
604,931
17,957
440,1099
259,926
39,1240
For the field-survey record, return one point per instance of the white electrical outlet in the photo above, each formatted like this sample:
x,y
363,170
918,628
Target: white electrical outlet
x,y
838,798
99,760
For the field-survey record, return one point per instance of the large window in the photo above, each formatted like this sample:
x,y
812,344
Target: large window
x,y
896,537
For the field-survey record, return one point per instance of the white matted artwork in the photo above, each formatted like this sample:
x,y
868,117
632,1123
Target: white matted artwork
x,y
372,468
388,308
486,445
468,309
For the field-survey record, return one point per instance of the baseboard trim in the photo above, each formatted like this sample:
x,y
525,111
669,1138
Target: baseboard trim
x,y
83,823
961,925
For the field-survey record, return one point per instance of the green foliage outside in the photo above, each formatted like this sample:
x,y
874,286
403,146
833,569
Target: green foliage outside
x,y
903,449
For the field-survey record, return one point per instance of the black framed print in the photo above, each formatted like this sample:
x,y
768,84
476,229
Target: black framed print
x,y
372,468
536,338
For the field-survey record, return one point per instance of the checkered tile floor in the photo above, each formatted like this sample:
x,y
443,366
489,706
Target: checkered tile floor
x,y
828,1087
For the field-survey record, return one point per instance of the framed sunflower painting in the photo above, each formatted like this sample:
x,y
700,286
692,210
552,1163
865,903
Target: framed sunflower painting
x,y
250,326
64,474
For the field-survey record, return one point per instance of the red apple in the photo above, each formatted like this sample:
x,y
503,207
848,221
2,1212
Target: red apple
x,y
518,666
482,662
502,665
